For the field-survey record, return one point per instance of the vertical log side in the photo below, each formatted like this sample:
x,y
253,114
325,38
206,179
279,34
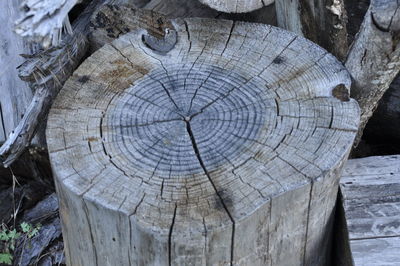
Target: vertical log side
x,y
95,235
15,94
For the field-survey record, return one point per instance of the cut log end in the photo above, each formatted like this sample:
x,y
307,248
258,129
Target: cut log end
x,y
195,155
236,6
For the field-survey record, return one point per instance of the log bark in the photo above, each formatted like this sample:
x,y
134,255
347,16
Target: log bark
x,y
225,150
373,60
321,21
236,6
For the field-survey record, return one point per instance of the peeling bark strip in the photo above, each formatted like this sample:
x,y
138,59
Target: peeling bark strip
x,y
373,59
46,72
236,6
195,156
321,21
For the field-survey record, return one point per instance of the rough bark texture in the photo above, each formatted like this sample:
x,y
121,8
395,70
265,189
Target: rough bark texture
x,y
236,6
373,60
371,198
224,150
321,21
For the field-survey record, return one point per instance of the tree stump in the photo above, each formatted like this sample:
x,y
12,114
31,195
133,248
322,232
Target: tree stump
x,y
236,6
220,144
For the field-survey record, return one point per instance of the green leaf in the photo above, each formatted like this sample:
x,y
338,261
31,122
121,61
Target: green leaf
x,y
26,227
13,234
4,236
6,258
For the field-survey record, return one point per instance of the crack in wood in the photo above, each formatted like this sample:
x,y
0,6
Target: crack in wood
x,y
197,152
3,125
171,229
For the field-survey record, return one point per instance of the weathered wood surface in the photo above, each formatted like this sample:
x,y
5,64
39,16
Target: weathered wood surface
x,y
322,21
236,6
44,21
193,8
46,71
373,60
37,109
196,156
371,196
15,95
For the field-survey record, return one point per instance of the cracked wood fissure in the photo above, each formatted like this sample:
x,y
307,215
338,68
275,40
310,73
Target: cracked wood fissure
x,y
197,152
202,155
3,133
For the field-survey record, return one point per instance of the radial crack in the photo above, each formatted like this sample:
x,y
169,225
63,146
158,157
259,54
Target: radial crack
x,y
197,152
171,229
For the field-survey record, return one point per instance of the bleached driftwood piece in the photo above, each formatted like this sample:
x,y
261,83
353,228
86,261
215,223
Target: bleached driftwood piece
x,y
371,197
46,72
224,150
236,6
373,60
322,21
44,21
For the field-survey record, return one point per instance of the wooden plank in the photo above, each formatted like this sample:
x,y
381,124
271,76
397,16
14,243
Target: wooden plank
x,y
371,195
378,251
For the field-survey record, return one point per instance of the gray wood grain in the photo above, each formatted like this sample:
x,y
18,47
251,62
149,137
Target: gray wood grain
x,y
236,6
225,150
380,251
46,71
15,94
371,194
373,59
